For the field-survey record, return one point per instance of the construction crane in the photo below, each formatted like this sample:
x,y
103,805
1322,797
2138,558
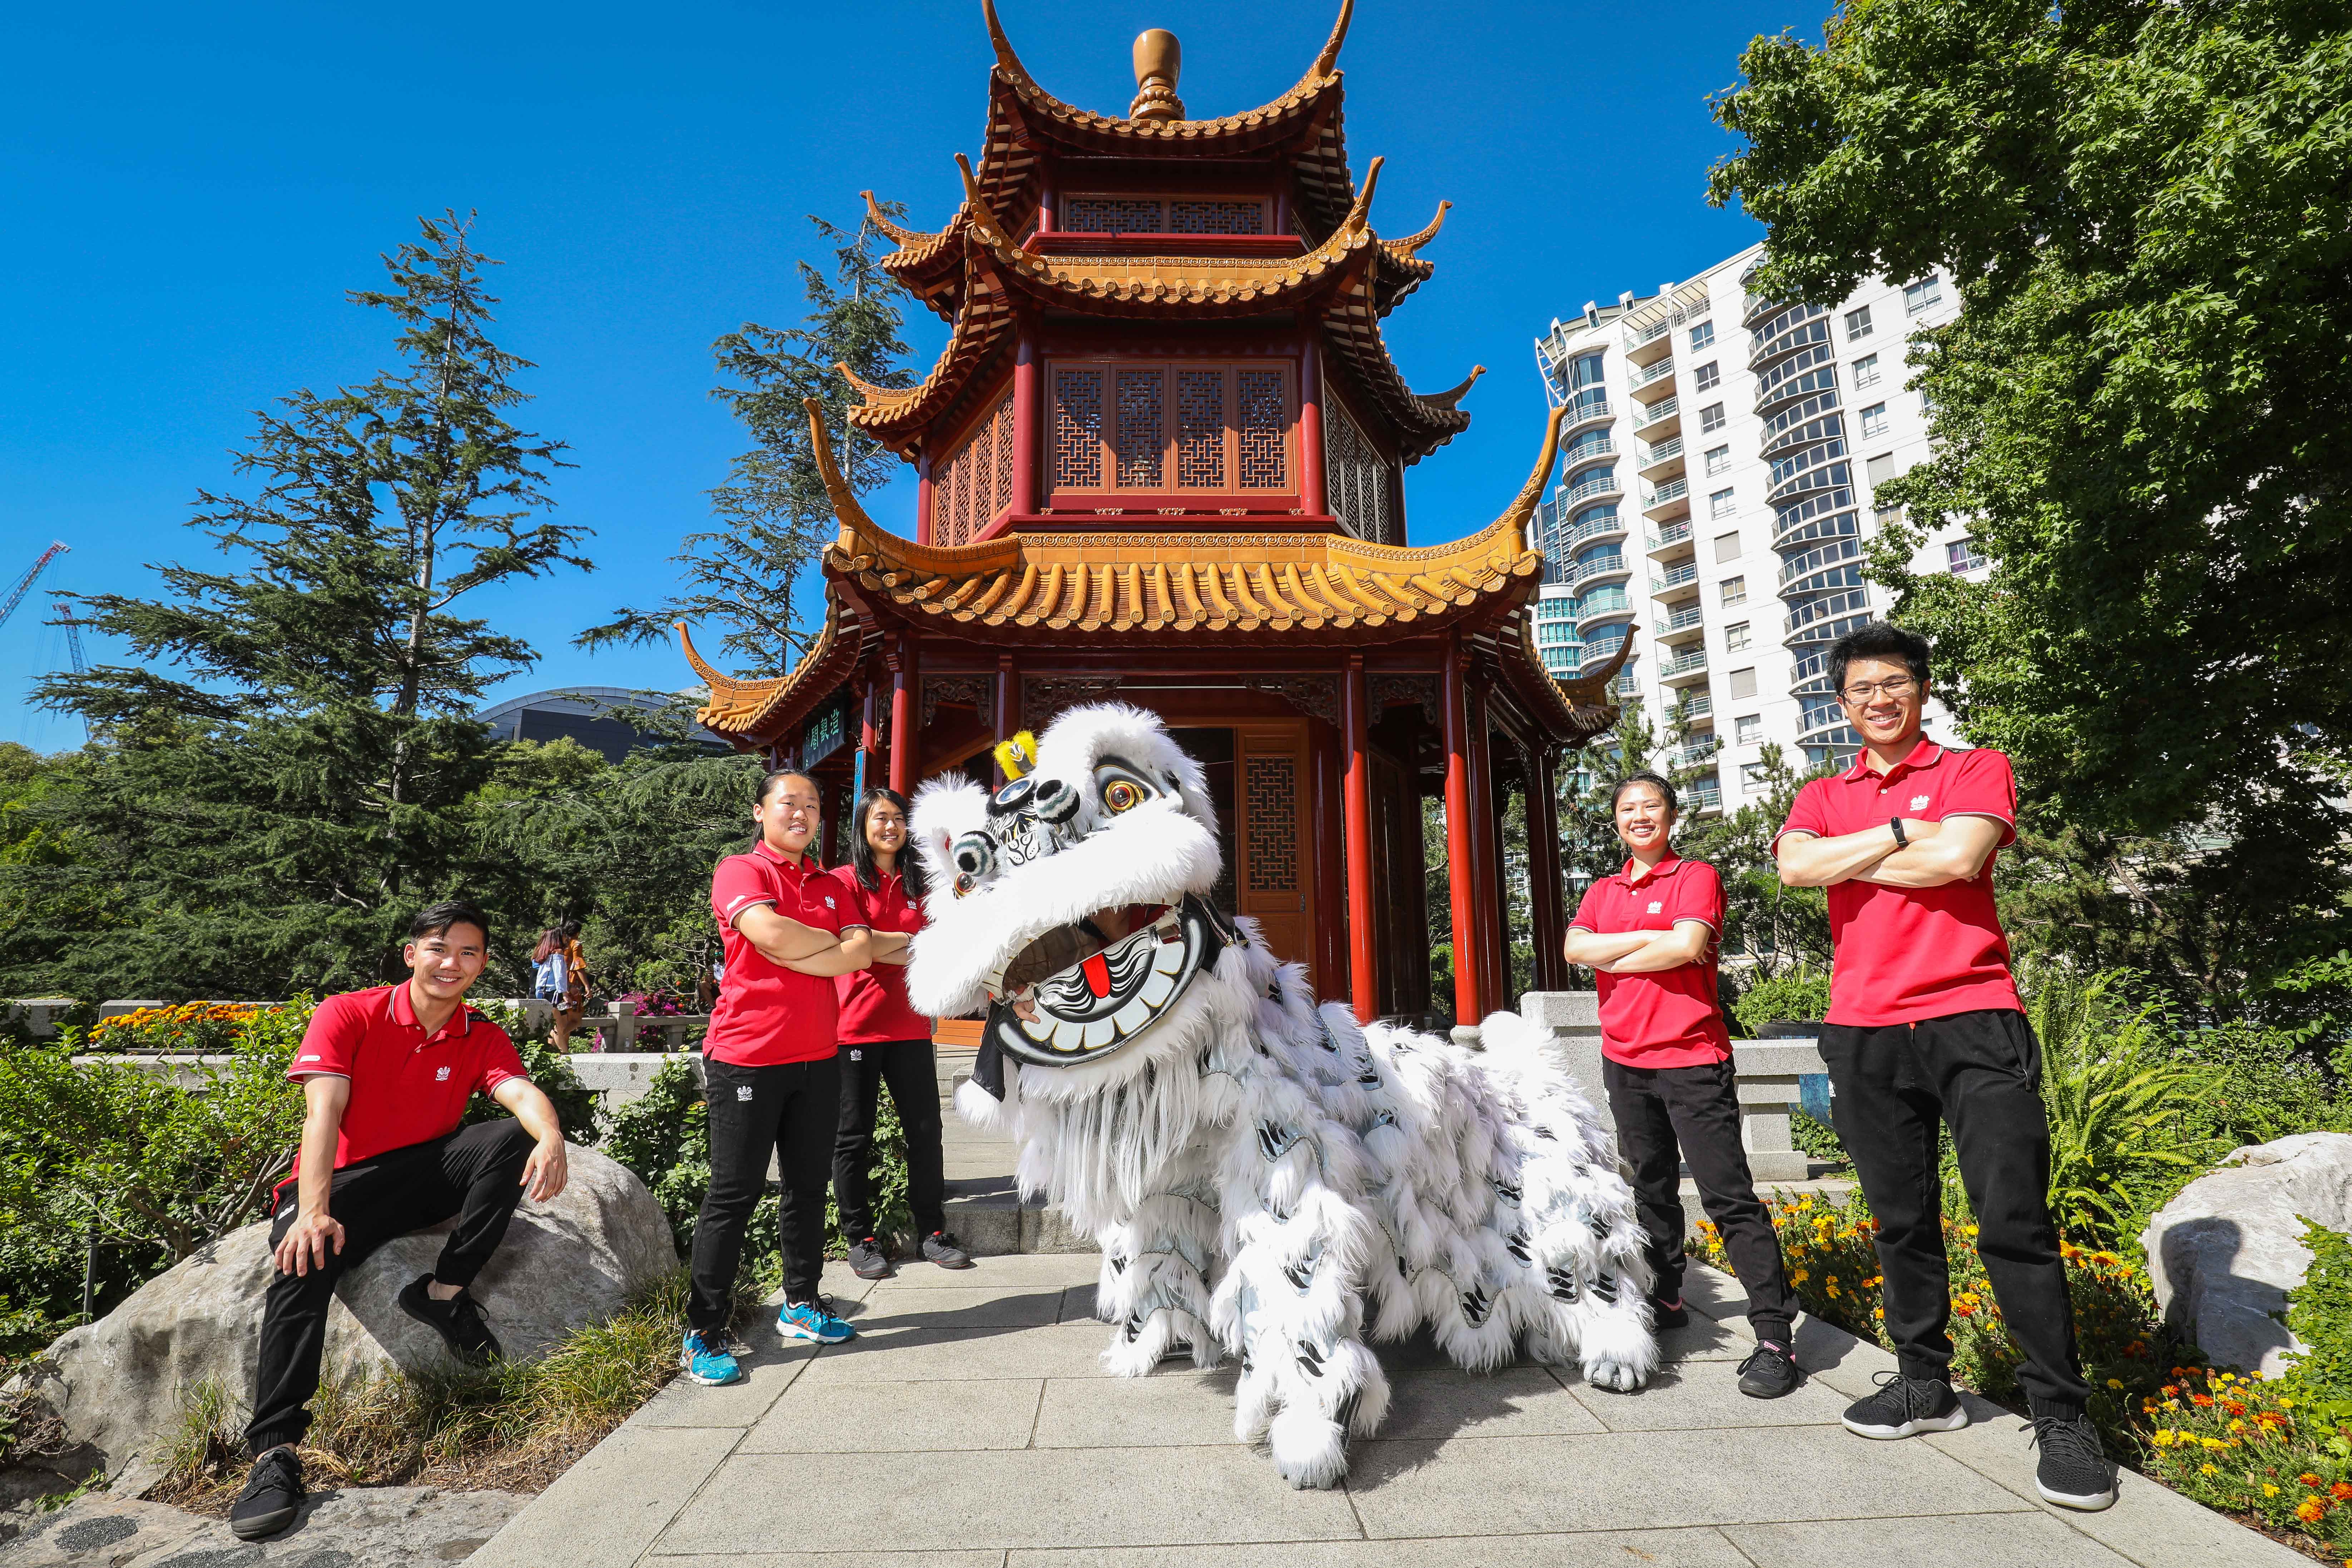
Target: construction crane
x,y
25,583
65,618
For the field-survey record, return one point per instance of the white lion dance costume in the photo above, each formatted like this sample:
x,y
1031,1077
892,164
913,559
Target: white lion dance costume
x,y
1263,1178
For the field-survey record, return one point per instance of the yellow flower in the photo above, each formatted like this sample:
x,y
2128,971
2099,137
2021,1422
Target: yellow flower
x,y
2269,1490
1968,1230
2205,1470
2114,1382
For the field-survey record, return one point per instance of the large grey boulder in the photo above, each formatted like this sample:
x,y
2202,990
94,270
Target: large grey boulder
x,y
119,1383
2226,1251
365,1526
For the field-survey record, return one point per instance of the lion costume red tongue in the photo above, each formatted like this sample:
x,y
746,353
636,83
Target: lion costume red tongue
x,y
1097,973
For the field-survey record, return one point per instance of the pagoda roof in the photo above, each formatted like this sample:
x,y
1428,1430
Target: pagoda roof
x,y
1168,588
1022,117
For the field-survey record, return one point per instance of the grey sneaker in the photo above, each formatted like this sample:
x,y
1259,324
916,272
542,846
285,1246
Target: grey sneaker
x,y
867,1260
1904,1407
940,1248
2074,1470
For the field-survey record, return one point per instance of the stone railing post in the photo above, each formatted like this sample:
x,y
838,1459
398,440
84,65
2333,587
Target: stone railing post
x,y
1571,1020
1768,1073
624,1026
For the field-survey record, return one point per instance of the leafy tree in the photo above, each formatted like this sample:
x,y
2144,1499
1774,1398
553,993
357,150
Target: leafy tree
x,y
2146,208
773,514
277,782
1779,930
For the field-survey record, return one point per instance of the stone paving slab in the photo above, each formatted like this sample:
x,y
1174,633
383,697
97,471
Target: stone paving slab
x,y
971,1424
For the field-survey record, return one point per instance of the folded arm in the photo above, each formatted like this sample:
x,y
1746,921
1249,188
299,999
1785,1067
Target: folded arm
x,y
1957,852
1810,860
1640,951
1595,950
804,949
893,947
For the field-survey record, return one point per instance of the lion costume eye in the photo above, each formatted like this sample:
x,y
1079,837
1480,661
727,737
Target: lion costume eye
x,y
1122,788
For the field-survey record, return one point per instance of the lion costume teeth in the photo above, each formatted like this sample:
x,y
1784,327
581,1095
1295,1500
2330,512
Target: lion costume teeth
x,y
1266,1178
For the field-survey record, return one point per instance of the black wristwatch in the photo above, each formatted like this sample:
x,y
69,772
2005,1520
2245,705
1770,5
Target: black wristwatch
x,y
1900,840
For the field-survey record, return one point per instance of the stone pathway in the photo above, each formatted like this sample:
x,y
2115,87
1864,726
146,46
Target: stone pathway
x,y
971,1425
372,1526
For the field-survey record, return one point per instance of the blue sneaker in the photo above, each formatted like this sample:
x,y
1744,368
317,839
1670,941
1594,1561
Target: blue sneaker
x,y
706,1358
813,1320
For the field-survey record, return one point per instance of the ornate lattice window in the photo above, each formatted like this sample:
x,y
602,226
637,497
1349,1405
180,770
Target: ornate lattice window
x,y
1164,214
1142,428
1077,429
1179,428
976,482
1201,428
1272,786
1356,479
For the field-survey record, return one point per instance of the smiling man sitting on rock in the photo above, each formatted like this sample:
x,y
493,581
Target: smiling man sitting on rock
x,y
386,1073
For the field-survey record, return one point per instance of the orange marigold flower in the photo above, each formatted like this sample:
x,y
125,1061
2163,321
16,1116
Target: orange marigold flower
x,y
2311,1510
2341,1491
2307,1478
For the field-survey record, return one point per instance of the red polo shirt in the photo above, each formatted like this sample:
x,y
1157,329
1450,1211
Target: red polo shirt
x,y
766,1014
1670,1018
1901,954
407,1087
874,1006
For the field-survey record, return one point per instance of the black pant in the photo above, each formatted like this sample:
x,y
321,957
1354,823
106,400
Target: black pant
x,y
1669,1116
788,1112
1980,1072
913,1075
475,1174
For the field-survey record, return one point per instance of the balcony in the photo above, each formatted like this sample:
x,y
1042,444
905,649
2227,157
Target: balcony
x,y
1595,528
1594,571
1590,452
1704,799
1587,490
1677,583
1683,624
1628,684
1596,412
1684,668
1657,413
1696,708
1693,754
1606,608
1658,454
1672,539
1596,658
1656,381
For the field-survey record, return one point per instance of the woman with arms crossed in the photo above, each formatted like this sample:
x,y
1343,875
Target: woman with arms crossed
x,y
883,1039
1649,932
770,1078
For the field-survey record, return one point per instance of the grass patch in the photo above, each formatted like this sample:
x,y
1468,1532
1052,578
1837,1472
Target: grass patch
x,y
511,1426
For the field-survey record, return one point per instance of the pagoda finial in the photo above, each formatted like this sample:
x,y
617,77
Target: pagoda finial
x,y
1523,507
1006,60
1326,62
1159,60
984,217
851,516
1359,215
897,234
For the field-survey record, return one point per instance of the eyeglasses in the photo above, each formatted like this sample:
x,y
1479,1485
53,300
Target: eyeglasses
x,y
1898,687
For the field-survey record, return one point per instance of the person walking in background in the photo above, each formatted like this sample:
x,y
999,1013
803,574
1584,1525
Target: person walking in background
x,y
562,968
1648,932
771,1081
1925,1030
547,966
386,1074
885,1040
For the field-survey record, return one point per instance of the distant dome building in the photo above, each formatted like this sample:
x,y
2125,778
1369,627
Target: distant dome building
x,y
594,716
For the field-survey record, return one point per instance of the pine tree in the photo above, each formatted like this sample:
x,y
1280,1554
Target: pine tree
x,y
277,782
773,514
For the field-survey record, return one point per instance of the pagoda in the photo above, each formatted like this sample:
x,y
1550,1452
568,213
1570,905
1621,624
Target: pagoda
x,y
1161,459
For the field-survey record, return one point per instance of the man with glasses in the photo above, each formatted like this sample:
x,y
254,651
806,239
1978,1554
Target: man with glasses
x,y
770,1075
1924,1029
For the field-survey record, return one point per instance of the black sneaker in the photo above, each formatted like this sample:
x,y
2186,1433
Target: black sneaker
x,y
1904,1407
940,1248
273,1495
1665,1315
1769,1372
867,1260
458,1320
2074,1470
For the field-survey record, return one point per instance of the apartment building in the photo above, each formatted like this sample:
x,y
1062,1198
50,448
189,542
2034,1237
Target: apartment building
x,y
1721,454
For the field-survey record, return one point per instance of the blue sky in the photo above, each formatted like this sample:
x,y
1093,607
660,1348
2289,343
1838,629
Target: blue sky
x,y
192,189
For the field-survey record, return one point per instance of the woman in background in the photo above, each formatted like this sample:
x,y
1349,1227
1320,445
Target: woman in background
x,y
885,1040
568,969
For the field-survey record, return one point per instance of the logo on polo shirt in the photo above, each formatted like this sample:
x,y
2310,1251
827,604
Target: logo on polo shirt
x,y
1918,803
1657,907
311,1058
829,903
440,1075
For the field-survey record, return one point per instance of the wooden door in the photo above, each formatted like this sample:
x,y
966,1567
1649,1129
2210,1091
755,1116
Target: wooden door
x,y
1274,835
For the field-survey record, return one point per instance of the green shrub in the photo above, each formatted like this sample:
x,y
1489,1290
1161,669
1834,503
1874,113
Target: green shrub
x,y
2319,1313
1800,994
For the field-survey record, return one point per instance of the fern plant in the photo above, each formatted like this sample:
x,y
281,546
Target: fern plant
x,y
2117,1102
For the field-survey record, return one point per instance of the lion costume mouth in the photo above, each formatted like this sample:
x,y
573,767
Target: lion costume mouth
x,y
1072,997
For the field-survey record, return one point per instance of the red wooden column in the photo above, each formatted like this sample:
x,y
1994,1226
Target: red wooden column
x,y
1312,495
1008,706
1494,931
1543,869
1326,743
1025,406
1364,975
903,691
1467,929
